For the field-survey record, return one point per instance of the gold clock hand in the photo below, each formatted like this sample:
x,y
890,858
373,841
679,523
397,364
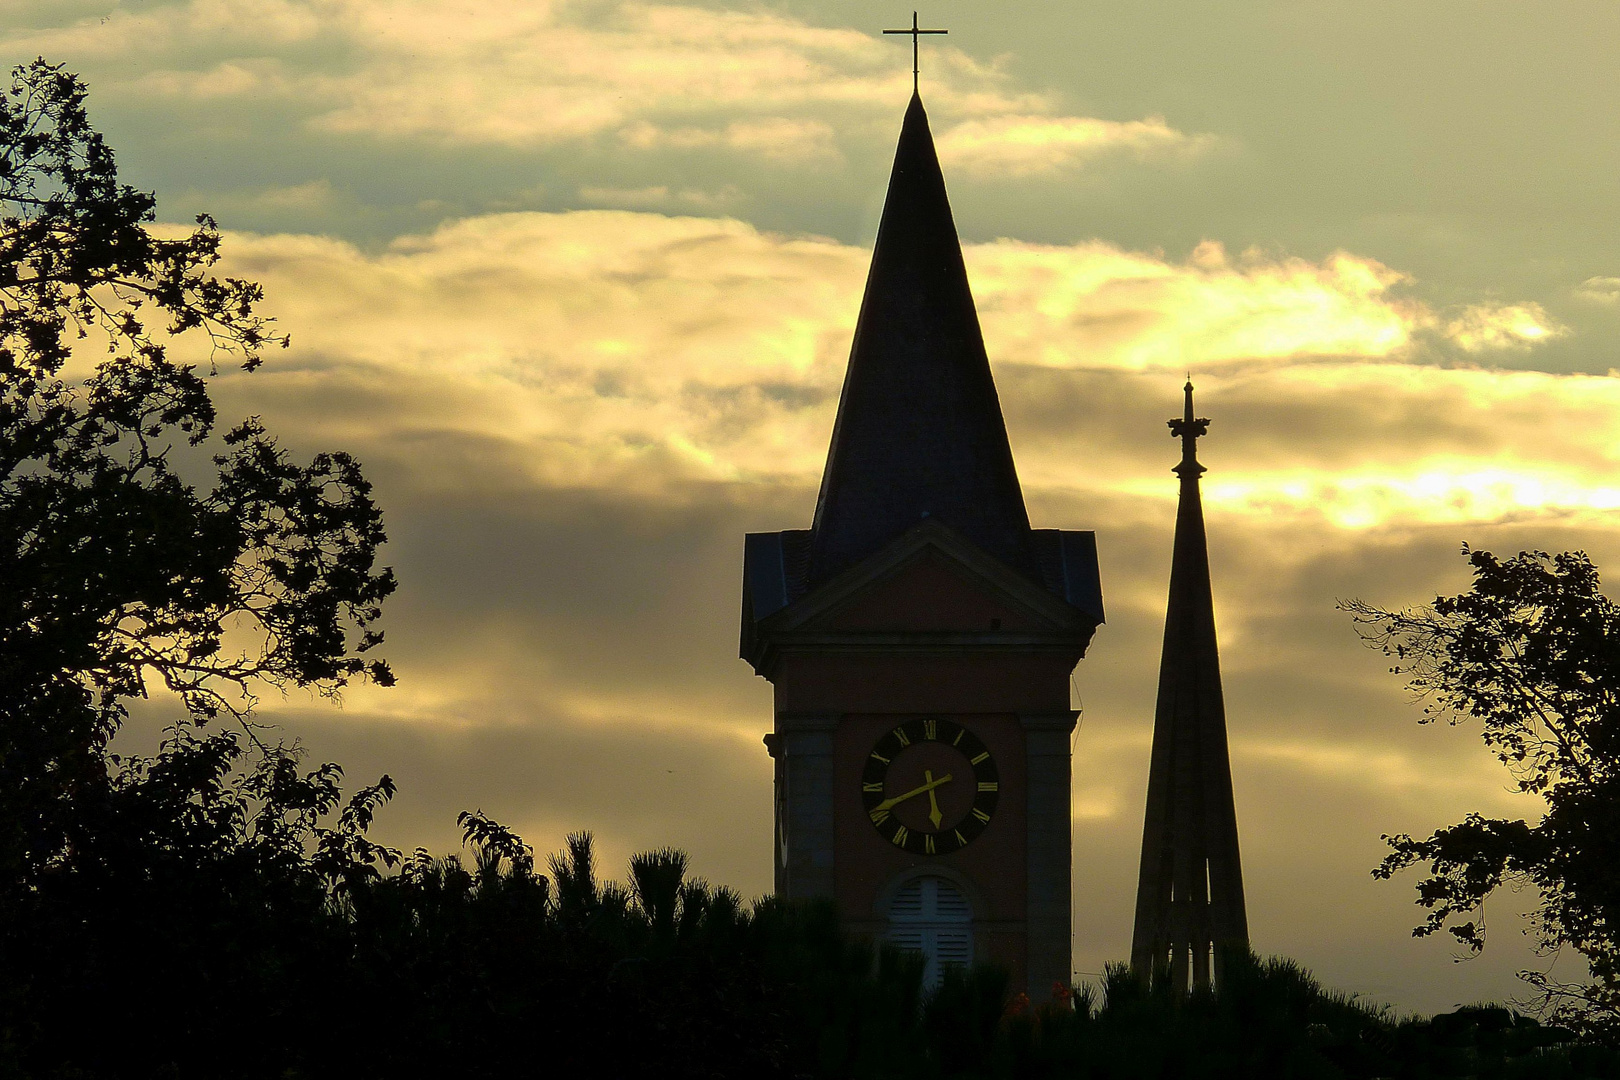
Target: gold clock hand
x,y
933,804
890,804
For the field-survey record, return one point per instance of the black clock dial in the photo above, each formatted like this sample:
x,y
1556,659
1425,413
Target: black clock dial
x,y
930,786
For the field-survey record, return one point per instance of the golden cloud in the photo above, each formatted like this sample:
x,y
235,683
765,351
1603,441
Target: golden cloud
x,y
1095,305
1018,146
602,346
531,73
1600,290
778,138
633,351
1348,444
1481,327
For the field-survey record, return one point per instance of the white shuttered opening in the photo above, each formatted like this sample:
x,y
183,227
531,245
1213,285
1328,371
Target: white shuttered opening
x,y
931,916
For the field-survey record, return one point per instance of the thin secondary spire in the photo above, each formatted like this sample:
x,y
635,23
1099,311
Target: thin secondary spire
x,y
914,32
1189,900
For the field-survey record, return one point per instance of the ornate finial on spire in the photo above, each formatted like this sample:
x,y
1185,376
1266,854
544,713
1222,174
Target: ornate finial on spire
x,y
1188,428
914,31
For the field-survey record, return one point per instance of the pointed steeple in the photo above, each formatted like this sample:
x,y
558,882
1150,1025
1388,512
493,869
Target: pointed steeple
x,y
919,431
1189,900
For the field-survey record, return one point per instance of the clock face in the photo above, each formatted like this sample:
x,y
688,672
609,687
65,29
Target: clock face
x,y
930,786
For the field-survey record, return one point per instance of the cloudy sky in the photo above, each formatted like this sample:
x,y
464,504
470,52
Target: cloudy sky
x,y
576,279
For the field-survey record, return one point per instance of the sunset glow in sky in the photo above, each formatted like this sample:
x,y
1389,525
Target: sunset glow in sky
x,y
576,279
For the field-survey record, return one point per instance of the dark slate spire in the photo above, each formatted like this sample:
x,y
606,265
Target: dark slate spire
x,y
919,431
1189,899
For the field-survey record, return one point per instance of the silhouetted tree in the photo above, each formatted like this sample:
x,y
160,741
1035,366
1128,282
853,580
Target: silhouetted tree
x,y
142,551
1532,652
198,927
128,560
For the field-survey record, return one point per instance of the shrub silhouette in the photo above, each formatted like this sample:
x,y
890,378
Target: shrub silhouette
x,y
204,941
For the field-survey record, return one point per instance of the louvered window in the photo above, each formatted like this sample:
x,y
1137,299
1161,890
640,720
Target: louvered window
x,y
931,916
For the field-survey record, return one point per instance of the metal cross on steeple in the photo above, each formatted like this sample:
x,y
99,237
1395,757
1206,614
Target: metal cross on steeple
x,y
914,32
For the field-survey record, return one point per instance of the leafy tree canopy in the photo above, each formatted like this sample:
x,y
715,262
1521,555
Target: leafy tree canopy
x,y
131,562
1531,652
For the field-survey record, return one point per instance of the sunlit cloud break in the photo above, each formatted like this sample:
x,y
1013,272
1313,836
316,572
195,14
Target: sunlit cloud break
x,y
1095,305
1431,491
1018,146
1484,327
1600,290
534,73
638,352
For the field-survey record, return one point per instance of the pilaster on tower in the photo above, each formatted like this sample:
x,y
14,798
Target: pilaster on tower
x,y
1189,900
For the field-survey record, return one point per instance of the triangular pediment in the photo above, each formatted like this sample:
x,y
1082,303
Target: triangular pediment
x,y
930,580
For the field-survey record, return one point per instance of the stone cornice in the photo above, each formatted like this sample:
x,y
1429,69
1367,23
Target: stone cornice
x,y
1059,721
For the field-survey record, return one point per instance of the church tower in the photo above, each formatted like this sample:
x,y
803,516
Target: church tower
x,y
1189,897
920,635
